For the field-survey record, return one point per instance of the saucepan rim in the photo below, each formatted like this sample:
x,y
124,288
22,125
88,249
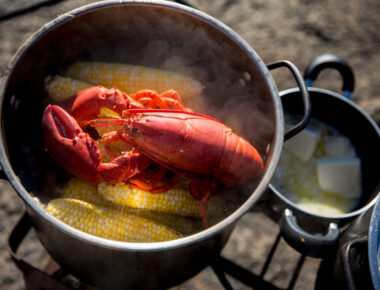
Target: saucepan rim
x,y
371,122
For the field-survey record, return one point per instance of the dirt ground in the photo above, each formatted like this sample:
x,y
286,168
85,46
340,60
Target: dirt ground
x,y
295,30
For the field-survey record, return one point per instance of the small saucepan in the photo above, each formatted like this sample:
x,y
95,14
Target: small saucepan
x,y
305,230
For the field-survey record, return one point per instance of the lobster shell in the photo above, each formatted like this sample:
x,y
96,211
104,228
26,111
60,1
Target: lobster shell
x,y
193,143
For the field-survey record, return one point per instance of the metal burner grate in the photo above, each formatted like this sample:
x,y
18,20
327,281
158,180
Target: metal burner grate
x,y
224,266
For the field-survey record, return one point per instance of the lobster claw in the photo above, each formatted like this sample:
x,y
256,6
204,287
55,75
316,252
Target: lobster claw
x,y
78,153
69,146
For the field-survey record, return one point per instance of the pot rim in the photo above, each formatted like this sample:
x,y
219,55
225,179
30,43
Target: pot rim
x,y
375,127
271,163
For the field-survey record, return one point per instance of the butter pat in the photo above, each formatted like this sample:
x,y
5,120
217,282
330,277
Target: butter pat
x,y
338,146
304,143
340,175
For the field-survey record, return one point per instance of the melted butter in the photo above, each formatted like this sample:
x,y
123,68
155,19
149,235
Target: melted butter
x,y
298,181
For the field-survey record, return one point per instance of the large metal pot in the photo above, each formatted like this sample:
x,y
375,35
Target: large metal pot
x,y
119,31
315,234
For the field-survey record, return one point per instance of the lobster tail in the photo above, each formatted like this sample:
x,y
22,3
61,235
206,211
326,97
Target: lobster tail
x,y
240,164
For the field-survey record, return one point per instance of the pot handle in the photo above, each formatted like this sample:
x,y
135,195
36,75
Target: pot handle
x,y
324,61
304,93
2,174
37,278
305,243
346,255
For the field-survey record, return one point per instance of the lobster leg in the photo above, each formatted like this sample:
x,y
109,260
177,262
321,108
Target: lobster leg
x,y
150,99
202,188
148,180
202,208
125,166
145,180
154,180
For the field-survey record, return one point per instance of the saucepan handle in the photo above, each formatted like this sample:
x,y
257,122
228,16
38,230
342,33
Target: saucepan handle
x,y
324,61
347,254
306,243
304,93
2,174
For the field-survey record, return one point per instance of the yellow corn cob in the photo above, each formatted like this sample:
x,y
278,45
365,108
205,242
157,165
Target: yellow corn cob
x,y
85,191
180,224
108,223
61,88
132,78
177,200
107,113
79,189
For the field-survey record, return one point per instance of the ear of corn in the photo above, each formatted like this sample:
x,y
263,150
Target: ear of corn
x,y
108,223
127,78
133,78
177,200
79,189
180,224
85,191
60,88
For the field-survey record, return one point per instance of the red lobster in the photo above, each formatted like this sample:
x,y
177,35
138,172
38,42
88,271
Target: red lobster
x,y
196,147
86,106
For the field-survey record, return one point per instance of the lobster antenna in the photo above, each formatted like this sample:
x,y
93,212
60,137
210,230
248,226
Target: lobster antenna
x,y
110,122
132,111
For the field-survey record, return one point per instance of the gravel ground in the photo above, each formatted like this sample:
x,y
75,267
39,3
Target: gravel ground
x,y
295,30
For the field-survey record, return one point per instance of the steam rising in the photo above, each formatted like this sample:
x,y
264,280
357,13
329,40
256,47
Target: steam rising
x,y
235,90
